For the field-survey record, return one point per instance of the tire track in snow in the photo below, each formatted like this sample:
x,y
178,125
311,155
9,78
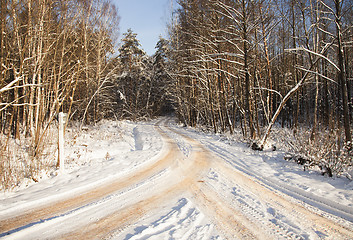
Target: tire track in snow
x,y
295,215
325,205
276,223
55,209
190,170
291,212
243,209
231,222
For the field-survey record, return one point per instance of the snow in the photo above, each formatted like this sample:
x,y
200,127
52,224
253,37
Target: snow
x,y
157,207
87,164
182,221
334,195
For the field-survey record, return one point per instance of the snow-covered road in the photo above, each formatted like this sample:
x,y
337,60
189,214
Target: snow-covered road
x,y
173,183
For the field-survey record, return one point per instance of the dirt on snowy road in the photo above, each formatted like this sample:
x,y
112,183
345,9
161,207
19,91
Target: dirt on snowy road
x,y
237,205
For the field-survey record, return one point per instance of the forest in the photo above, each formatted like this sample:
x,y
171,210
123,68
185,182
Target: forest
x,y
64,56
226,65
252,65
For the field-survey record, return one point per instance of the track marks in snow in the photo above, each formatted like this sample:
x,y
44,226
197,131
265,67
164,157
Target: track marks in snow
x,y
199,195
327,207
184,221
242,206
260,213
279,217
186,171
35,216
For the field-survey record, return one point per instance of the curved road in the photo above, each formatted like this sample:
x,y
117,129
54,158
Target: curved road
x,y
240,206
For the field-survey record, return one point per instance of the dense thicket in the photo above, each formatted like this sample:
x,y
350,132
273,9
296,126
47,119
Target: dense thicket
x,y
59,56
54,56
250,64
235,61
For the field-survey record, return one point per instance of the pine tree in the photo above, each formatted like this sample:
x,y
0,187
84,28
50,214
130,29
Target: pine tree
x,y
161,93
131,54
134,82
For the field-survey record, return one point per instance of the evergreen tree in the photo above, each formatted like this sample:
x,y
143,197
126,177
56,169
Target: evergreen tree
x,y
131,55
161,97
134,81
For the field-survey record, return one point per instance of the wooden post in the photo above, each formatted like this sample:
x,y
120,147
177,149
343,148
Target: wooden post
x,y
61,142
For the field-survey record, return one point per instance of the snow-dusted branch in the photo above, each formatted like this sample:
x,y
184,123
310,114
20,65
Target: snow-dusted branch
x,y
291,92
314,53
8,86
316,73
269,90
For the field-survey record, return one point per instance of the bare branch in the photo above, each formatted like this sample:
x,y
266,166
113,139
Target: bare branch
x,y
314,53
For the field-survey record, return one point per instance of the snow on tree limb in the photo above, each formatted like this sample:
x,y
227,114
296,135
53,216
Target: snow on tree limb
x,y
314,53
8,86
291,92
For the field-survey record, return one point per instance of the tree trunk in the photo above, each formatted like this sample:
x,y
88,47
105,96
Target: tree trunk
x,y
248,104
342,73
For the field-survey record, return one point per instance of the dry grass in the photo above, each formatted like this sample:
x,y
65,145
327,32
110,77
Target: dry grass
x,y
327,150
18,163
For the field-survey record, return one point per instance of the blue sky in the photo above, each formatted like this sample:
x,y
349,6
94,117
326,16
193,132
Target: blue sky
x,y
147,18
